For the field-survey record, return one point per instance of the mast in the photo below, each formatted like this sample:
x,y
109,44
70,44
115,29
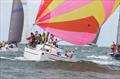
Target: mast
x,y
16,22
118,31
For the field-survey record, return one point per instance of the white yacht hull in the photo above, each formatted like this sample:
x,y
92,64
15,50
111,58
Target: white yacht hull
x,y
42,55
32,54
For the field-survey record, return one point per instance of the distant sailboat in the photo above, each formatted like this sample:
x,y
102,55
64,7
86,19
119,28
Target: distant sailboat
x,y
16,26
16,22
117,55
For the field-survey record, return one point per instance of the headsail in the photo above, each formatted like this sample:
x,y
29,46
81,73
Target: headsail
x,y
16,22
109,30
75,21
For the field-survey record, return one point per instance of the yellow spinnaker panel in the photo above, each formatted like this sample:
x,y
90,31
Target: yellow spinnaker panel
x,y
94,9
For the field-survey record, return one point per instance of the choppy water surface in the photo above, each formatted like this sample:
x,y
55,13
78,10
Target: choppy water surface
x,y
94,63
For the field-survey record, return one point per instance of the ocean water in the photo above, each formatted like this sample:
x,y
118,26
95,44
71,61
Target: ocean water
x,y
94,63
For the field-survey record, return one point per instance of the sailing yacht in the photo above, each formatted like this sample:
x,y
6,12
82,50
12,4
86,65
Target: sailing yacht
x,y
76,22
117,55
16,26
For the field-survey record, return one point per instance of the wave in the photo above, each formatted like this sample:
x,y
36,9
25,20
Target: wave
x,y
103,60
20,58
17,59
99,57
13,59
6,58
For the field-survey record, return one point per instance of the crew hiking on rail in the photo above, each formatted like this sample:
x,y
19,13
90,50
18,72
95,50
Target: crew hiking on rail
x,y
36,38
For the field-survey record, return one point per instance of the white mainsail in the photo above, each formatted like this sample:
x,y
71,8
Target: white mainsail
x,y
109,30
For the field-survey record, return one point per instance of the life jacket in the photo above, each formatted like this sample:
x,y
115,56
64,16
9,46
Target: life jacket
x,y
43,37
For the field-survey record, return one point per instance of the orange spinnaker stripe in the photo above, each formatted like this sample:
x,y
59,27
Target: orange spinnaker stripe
x,y
88,24
43,7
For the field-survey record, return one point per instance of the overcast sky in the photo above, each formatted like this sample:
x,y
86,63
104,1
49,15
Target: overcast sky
x,y
107,35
